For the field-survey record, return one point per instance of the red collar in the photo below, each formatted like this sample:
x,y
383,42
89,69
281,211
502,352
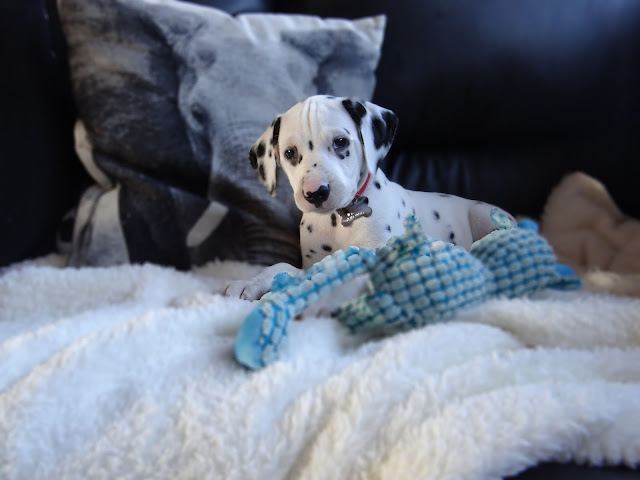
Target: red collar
x,y
361,191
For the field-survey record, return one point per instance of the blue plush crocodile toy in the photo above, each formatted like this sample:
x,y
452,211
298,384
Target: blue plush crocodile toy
x,y
415,280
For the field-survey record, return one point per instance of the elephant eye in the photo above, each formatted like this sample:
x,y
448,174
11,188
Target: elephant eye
x,y
340,143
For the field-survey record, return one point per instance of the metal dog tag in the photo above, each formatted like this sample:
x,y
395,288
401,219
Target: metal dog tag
x,y
358,208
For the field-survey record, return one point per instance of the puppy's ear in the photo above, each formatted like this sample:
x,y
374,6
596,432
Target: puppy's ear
x,y
376,129
265,157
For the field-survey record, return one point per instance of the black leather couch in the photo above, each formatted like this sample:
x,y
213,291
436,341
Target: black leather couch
x,y
497,100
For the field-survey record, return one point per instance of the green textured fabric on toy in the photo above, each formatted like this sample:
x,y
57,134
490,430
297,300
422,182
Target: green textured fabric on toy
x,y
414,280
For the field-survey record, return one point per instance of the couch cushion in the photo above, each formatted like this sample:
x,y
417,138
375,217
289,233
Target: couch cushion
x,y
39,179
511,95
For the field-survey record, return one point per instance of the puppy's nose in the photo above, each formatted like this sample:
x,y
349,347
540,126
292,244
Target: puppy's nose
x,y
318,197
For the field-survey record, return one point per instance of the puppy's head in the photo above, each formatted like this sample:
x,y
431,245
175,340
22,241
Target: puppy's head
x,y
326,146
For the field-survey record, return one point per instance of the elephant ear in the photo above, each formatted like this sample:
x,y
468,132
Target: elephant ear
x,y
265,156
376,128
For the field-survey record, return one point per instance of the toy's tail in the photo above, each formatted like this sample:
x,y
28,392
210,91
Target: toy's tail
x,y
565,278
522,261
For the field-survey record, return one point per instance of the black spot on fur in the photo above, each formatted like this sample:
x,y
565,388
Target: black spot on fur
x,y
404,204
276,132
308,255
379,134
327,248
355,110
301,223
310,145
399,215
377,184
452,236
299,160
310,228
341,156
384,129
388,227
315,165
253,158
347,153
270,153
311,250
263,176
436,214
391,119
261,149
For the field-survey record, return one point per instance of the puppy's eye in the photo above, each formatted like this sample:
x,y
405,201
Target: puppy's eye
x,y
290,153
340,142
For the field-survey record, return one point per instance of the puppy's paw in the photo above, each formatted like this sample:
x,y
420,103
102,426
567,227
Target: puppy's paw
x,y
255,288
247,289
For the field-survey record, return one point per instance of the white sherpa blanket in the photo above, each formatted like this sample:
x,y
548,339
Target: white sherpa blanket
x,y
127,372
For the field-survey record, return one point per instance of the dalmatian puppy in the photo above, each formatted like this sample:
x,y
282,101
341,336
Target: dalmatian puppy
x,y
329,149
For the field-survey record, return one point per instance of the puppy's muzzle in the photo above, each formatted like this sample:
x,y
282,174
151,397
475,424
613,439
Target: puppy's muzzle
x,y
318,197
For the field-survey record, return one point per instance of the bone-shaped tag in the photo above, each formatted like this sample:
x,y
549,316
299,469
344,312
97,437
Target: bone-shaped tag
x,y
358,208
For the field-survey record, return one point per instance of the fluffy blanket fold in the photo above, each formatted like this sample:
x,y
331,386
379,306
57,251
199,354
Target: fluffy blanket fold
x,y
127,372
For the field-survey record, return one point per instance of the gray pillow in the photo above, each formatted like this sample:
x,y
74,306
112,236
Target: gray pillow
x,y
170,98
